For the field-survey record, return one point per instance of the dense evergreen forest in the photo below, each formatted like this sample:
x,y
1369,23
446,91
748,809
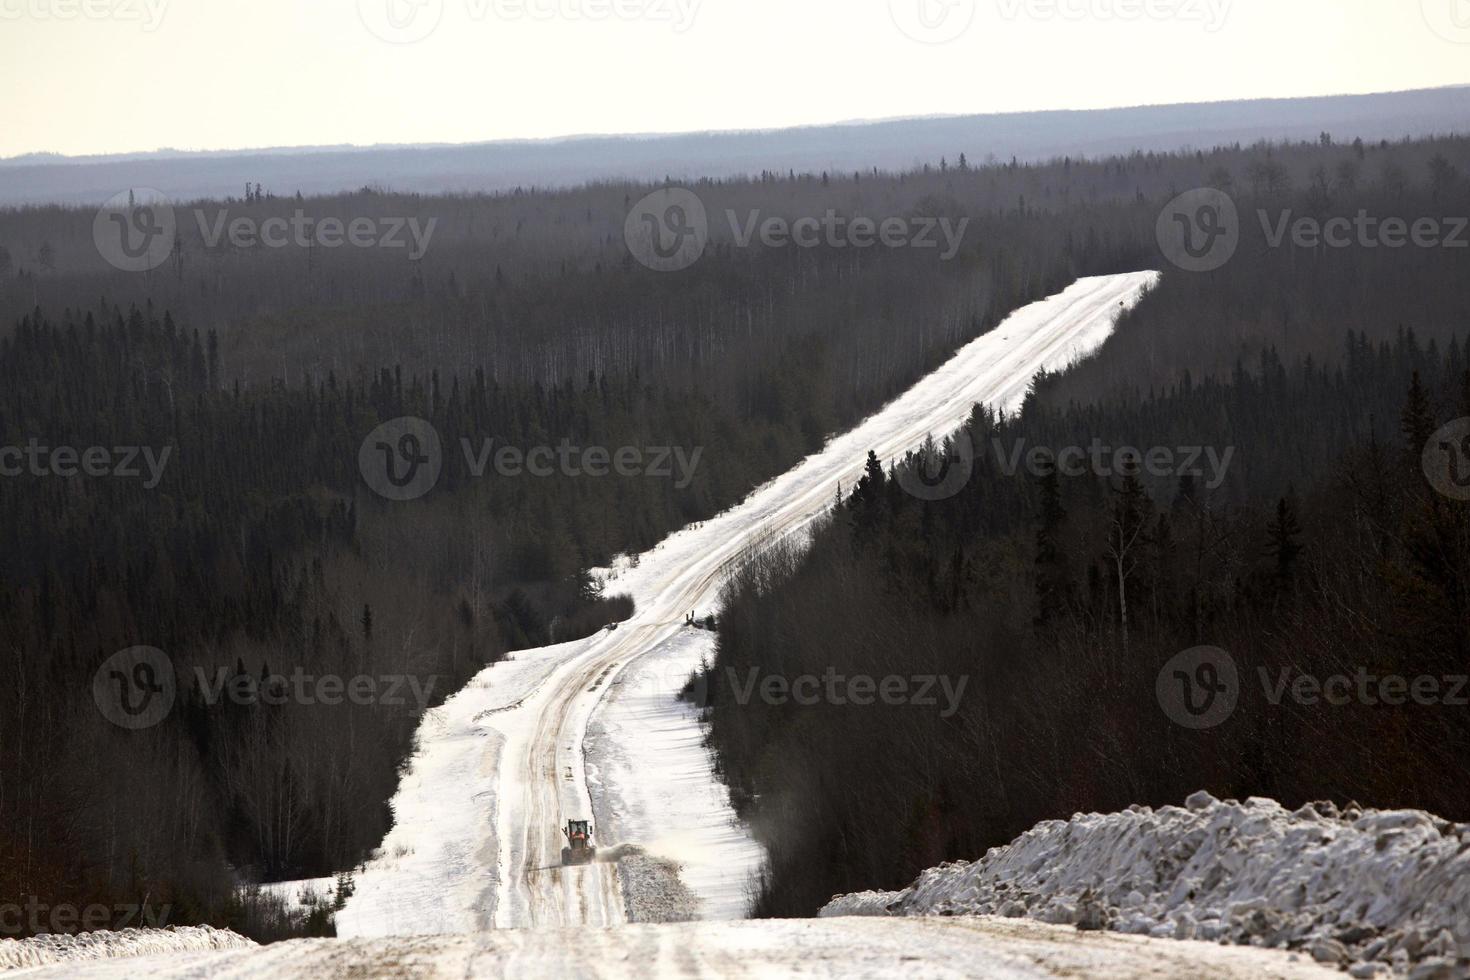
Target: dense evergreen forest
x,y
1061,599
260,550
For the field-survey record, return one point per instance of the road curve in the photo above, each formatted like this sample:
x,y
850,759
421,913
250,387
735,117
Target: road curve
x,y
543,773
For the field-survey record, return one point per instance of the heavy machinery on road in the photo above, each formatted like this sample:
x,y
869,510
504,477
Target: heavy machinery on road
x,y
579,849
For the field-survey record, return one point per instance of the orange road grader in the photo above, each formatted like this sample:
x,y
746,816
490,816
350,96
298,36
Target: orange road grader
x,y
579,849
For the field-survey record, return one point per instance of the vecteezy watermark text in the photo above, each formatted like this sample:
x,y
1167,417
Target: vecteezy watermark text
x,y
578,461
669,230
304,231
1100,459
411,21
1210,13
136,688
37,459
138,230
147,13
1366,688
1200,688
1200,230
836,231
860,690
944,473
300,687
402,460
1364,231
37,917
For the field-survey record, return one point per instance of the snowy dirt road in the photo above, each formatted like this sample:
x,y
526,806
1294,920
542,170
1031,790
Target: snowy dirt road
x,y
498,777
469,881
1002,949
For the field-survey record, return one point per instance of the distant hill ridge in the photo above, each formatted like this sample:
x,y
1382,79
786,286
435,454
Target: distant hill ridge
x,y
38,178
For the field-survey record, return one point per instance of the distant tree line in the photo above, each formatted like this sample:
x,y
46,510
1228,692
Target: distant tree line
x,y
1062,598
528,322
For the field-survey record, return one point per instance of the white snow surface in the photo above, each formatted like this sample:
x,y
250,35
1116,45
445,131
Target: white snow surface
x,y
302,894
1370,890
528,742
436,868
995,369
852,949
501,766
653,780
70,949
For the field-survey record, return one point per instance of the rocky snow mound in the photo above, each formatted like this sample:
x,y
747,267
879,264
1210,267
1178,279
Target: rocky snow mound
x,y
103,944
1372,891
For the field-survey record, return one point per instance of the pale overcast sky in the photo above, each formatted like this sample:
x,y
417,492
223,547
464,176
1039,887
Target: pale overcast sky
x,y
91,76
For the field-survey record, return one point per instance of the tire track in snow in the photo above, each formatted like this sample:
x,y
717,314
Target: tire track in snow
x,y
686,571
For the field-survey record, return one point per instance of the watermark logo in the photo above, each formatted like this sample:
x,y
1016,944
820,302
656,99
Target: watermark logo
x,y
401,459
1450,19
1364,231
668,230
1447,460
939,473
1199,688
300,687
1365,689
1211,13
695,689
147,13
940,691
37,459
932,21
410,21
400,21
646,691
837,231
135,230
1199,230
565,459
679,13
304,231
135,688
36,917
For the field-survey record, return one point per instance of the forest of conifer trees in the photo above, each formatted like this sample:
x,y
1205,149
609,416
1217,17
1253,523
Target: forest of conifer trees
x,y
257,374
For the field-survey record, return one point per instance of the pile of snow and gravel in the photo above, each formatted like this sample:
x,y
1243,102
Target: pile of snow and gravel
x,y
104,944
652,891
1371,891
653,780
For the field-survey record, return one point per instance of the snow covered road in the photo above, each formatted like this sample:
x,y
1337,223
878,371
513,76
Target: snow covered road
x,y
1001,949
501,766
469,881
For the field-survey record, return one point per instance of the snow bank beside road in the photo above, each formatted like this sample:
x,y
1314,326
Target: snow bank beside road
x,y
430,874
1365,889
808,949
302,894
501,764
655,786
45,950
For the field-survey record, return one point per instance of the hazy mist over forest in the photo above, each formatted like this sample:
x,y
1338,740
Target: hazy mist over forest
x,y
891,145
